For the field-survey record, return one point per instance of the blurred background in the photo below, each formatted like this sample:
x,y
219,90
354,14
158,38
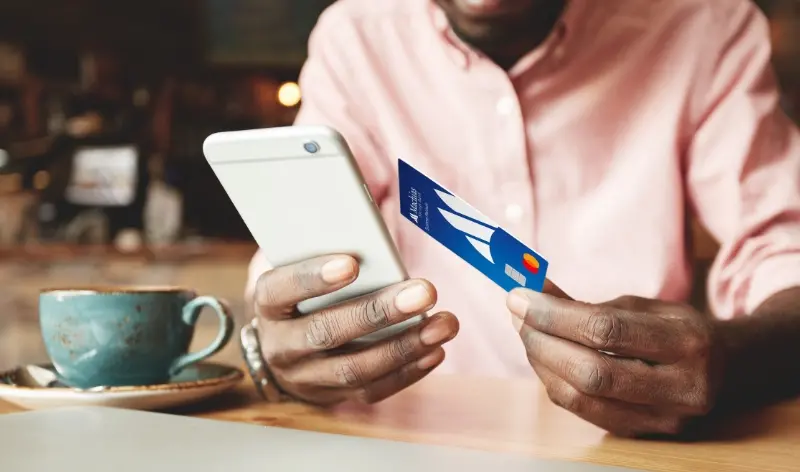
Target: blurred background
x,y
104,107
103,110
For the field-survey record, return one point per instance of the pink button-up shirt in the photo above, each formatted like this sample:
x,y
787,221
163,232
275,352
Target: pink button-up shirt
x,y
592,150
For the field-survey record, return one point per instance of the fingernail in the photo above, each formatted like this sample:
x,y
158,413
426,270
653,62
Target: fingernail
x,y
431,360
436,332
338,270
517,304
413,299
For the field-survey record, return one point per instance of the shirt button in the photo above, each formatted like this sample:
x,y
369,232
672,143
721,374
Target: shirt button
x,y
514,213
505,106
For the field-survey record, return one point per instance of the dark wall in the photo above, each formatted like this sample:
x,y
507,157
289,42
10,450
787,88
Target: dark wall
x,y
259,32
149,33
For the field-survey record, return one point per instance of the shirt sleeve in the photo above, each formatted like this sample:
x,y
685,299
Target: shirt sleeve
x,y
330,97
744,171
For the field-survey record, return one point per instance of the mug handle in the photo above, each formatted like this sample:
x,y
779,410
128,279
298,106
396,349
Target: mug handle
x,y
191,313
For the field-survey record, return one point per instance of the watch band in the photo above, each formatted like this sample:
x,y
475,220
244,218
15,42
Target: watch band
x,y
262,377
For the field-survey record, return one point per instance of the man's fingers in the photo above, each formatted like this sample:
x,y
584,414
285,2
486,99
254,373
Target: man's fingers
x,y
279,290
595,374
617,417
600,327
340,324
373,392
358,369
400,379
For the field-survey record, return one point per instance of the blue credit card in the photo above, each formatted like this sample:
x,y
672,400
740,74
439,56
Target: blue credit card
x,y
468,233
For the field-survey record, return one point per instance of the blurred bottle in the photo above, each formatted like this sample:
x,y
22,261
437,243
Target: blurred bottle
x,y
163,211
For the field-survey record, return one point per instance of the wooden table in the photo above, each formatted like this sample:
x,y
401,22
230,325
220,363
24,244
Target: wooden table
x,y
517,417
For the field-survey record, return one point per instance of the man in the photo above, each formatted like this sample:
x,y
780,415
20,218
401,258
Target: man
x,y
590,130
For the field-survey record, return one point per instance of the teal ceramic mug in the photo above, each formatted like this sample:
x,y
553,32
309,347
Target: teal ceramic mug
x,y
120,336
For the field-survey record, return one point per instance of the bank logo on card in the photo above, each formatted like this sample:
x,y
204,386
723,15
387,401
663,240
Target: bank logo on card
x,y
475,227
414,205
468,233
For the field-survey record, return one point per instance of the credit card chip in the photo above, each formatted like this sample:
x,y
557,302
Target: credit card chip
x,y
515,275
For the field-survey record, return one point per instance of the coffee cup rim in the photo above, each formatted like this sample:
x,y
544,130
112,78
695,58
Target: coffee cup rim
x,y
116,289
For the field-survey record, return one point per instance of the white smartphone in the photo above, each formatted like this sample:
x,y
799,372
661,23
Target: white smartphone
x,y
301,195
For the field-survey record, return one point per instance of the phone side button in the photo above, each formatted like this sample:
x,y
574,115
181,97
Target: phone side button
x,y
369,195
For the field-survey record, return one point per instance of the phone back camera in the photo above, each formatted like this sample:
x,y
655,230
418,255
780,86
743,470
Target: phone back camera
x,y
311,147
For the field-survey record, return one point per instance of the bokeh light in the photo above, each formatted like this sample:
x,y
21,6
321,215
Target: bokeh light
x,y
289,94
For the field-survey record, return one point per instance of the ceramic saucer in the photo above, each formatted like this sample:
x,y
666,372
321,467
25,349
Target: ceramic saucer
x,y
33,387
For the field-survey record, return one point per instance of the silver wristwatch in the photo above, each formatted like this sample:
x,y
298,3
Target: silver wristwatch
x,y
259,371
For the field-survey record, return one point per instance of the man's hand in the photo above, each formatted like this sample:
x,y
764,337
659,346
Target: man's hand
x,y
632,366
303,351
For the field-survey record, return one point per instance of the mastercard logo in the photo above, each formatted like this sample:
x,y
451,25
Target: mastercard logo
x,y
531,263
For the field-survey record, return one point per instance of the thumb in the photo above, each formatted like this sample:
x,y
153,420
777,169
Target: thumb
x,y
518,299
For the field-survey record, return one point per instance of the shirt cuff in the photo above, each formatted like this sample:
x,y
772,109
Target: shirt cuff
x,y
772,276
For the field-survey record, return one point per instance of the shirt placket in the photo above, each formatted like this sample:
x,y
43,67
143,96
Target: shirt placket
x,y
513,176
509,164
518,177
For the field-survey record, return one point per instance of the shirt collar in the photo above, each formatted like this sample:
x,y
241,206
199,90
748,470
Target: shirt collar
x,y
462,54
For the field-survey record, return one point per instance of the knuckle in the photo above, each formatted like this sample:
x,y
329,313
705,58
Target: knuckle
x,y
302,278
569,399
564,396
554,397
603,329
322,331
401,349
591,378
374,313
349,374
